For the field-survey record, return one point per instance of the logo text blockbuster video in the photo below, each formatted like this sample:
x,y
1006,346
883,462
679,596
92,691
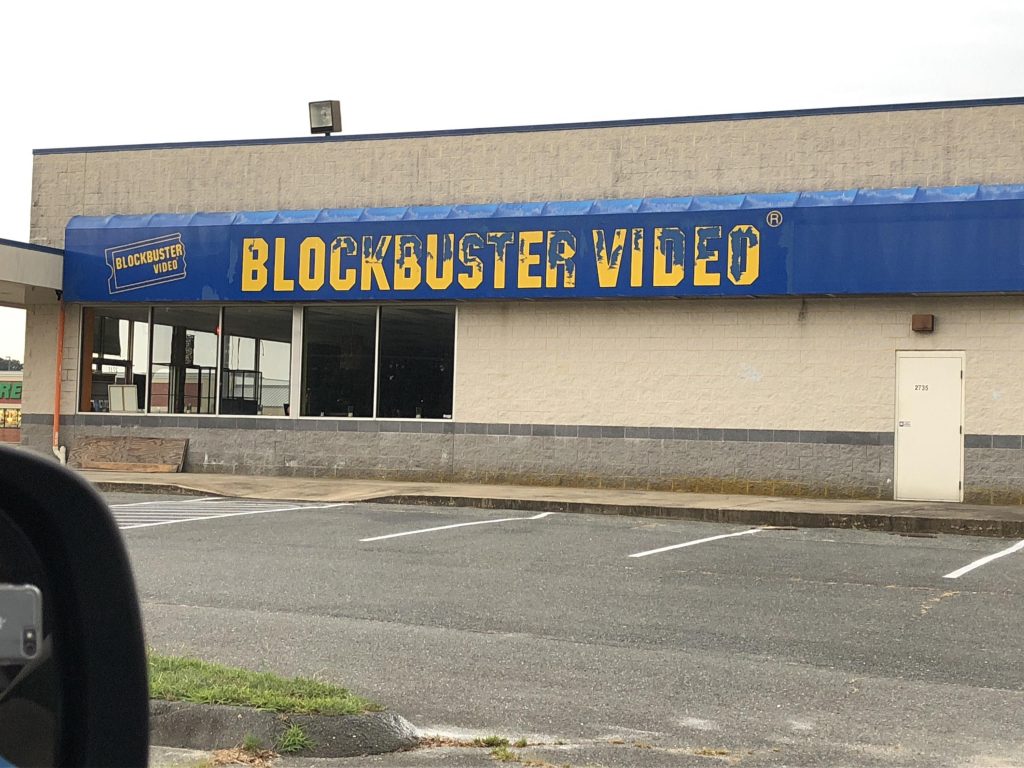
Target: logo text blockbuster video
x,y
148,262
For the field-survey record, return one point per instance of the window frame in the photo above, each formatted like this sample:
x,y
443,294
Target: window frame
x,y
296,368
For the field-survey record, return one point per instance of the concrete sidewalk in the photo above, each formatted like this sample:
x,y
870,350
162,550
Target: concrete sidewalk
x,y
895,516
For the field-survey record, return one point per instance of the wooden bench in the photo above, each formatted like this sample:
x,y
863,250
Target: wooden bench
x,y
129,454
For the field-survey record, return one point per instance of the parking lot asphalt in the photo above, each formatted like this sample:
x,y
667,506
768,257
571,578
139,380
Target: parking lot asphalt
x,y
777,646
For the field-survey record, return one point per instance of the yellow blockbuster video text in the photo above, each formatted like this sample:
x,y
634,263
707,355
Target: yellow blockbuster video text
x,y
659,257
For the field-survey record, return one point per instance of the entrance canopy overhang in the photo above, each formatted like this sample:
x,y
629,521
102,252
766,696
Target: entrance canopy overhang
x,y
24,266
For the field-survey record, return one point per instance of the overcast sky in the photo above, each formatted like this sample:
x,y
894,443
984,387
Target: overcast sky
x,y
82,74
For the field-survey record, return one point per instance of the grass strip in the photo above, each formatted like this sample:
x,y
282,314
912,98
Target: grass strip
x,y
173,678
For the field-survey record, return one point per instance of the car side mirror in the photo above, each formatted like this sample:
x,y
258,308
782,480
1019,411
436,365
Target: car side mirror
x,y
73,686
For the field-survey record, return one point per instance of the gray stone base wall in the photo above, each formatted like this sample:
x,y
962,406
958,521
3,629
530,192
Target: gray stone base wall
x,y
993,469
37,433
780,462
756,467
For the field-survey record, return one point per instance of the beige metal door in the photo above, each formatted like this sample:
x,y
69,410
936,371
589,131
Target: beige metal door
x,y
929,426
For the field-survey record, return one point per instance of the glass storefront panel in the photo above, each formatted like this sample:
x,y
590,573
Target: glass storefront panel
x,y
256,361
338,348
417,353
115,351
171,365
184,367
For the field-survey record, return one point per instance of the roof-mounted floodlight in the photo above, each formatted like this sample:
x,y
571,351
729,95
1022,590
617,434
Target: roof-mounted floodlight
x,y
325,117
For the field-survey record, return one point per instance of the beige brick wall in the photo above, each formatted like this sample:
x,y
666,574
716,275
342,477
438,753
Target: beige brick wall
x,y
820,364
41,324
889,149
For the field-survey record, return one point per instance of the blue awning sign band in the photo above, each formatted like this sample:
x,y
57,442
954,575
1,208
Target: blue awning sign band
x,y
914,240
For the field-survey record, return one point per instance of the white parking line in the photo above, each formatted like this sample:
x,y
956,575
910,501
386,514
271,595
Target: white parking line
x,y
206,517
696,541
456,525
150,517
983,560
186,500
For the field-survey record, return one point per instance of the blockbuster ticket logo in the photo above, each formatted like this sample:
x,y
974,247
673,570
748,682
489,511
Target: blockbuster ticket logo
x,y
145,263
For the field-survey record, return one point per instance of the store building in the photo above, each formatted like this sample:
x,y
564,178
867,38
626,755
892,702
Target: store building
x,y
823,302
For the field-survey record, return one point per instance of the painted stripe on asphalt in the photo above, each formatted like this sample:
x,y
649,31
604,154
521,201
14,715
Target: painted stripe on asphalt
x,y
204,508
983,560
456,525
158,518
696,541
148,518
215,502
187,500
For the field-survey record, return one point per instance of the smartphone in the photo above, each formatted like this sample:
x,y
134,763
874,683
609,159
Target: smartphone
x,y
21,618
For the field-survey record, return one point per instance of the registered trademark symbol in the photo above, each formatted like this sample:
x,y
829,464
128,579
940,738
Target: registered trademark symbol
x,y
774,218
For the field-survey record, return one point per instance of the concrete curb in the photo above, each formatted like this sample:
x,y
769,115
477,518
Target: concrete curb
x,y
905,523
179,489
187,725
757,513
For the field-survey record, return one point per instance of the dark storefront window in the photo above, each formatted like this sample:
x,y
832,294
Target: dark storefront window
x,y
357,361
256,361
417,350
115,351
338,348
184,359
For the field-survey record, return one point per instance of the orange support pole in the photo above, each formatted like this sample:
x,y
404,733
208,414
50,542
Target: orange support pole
x,y
57,380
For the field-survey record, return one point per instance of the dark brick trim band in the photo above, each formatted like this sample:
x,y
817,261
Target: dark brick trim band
x,y
830,437
994,441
